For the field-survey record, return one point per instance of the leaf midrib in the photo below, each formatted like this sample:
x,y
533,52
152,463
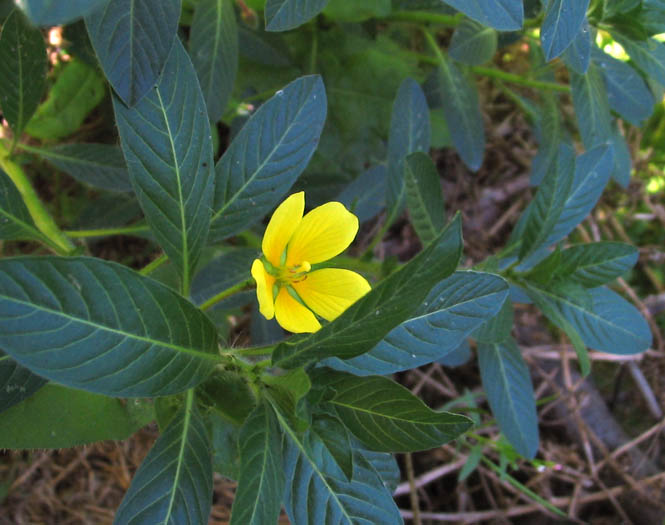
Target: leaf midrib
x,y
261,166
181,452
97,326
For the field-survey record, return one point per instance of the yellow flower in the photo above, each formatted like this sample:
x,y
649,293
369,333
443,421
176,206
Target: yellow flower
x,y
286,287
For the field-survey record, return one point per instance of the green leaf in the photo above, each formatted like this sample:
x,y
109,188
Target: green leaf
x,y
258,498
224,438
16,383
213,46
167,145
76,92
423,196
370,318
221,273
15,220
365,196
563,20
592,172
409,132
475,454
229,394
498,328
549,308
507,383
22,69
267,156
592,107
282,15
99,165
316,491
577,55
336,438
461,107
454,308
133,40
457,357
387,417
504,15
544,211
385,465
603,319
596,263
473,43
174,482
627,92
549,135
101,327
55,12
648,55
60,417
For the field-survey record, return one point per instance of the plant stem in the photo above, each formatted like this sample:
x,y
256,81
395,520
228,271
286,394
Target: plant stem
x,y
425,17
259,350
225,293
41,217
102,232
152,266
491,72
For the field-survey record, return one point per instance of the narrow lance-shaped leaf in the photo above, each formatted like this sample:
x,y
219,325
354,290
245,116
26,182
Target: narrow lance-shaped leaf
x,y
267,156
282,15
317,491
597,263
563,20
173,485
649,56
592,107
423,196
60,417
101,327
167,145
545,209
57,12
507,383
387,417
549,135
133,39
592,172
15,220
213,46
261,485
578,54
22,70
627,93
452,310
337,440
604,320
504,15
409,132
370,318
16,383
100,165
461,107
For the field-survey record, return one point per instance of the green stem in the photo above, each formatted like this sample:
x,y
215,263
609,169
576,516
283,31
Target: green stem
x,y
41,217
490,72
259,350
425,17
522,488
369,251
102,232
225,293
151,267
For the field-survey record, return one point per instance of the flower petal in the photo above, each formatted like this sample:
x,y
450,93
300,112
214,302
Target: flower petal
x,y
264,284
324,232
293,316
330,291
283,223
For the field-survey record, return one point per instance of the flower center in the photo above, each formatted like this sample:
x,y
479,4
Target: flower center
x,y
294,274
